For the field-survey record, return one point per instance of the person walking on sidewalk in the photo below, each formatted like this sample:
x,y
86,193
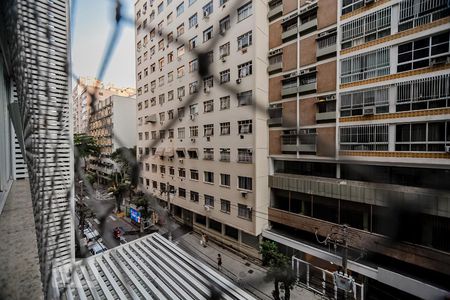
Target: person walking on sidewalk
x,y
219,262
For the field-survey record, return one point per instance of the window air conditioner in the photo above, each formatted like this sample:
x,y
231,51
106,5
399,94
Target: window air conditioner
x,y
244,194
447,149
238,81
368,111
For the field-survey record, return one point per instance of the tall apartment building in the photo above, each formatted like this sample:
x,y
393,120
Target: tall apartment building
x,y
34,45
212,163
82,97
359,128
113,125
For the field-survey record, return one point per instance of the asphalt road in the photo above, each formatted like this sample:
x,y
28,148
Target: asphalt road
x,y
112,222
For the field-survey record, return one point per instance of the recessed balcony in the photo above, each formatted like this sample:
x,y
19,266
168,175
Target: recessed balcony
x,y
275,12
326,116
308,25
275,67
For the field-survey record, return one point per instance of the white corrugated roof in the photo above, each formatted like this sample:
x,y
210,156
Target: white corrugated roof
x,y
148,268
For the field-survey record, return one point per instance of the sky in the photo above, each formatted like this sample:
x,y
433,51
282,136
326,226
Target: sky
x,y
92,26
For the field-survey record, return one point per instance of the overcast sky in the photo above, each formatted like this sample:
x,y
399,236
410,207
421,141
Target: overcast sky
x,y
92,26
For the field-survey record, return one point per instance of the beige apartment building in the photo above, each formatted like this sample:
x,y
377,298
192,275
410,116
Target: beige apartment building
x,y
359,129
211,162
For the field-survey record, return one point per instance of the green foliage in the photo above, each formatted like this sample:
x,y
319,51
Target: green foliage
x,y
268,250
86,145
143,205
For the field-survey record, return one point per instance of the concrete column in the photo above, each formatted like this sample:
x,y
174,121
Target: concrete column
x,y
391,131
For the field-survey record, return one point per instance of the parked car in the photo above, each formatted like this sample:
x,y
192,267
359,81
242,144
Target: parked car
x,y
91,233
97,248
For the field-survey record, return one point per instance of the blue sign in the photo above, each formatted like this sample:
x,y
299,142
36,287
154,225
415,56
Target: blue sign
x,y
135,215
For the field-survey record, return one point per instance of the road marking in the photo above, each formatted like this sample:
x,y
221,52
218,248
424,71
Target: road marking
x,y
113,218
97,221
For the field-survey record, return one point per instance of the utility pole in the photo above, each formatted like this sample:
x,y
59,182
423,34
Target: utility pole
x,y
169,214
345,249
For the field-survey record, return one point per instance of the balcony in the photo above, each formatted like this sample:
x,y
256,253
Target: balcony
x,y
304,88
290,31
275,67
299,148
272,122
414,254
273,12
308,25
325,116
289,90
328,49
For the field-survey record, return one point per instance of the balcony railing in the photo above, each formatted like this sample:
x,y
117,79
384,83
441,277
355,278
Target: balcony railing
x,y
273,12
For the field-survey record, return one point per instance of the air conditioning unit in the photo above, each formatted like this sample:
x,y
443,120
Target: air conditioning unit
x,y
238,81
244,194
207,207
205,14
447,149
368,111
180,161
244,50
330,97
193,140
192,117
250,209
441,60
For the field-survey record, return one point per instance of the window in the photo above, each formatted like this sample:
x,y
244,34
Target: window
x,y
245,183
161,63
208,9
193,153
140,136
208,106
180,51
171,134
245,11
208,130
193,131
415,13
147,136
224,50
245,155
366,65
225,154
423,53
170,95
193,65
370,27
244,98
162,134
161,81
364,137
169,38
225,76
155,184
181,193
182,172
209,177
208,82
357,103
209,201
180,153
180,9
193,109
245,127
225,206
224,25
192,2
180,72
351,5
180,112
162,98
225,128
244,212
162,116
161,44
193,87
245,40
225,103
194,174
153,135
181,92
181,133
193,21
170,76
180,30
426,93
430,137
207,34
147,167
193,43
222,2
154,168
194,196
162,169
171,171
169,18
225,179
208,154
160,8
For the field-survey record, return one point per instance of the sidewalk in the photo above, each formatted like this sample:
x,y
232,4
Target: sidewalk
x,y
246,274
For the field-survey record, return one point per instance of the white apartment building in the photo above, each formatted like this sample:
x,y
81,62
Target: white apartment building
x,y
211,160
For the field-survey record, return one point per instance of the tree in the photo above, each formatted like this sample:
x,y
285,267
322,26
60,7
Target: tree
x,y
128,167
280,270
118,187
86,146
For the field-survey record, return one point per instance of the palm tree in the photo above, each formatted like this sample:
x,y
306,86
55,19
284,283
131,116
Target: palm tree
x,y
118,188
85,146
128,167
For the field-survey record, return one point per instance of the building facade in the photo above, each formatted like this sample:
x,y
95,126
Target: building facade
x,y
202,144
359,96
113,125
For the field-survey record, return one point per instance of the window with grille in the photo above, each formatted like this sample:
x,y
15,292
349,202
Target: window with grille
x,y
351,5
209,177
245,183
367,28
224,50
193,43
209,200
193,20
422,137
424,52
180,30
193,131
162,134
364,137
193,154
225,128
225,154
424,93
225,179
208,9
245,127
181,92
415,13
245,69
208,34
193,87
194,174
244,212
208,82
170,95
180,112
245,155
171,171
182,172
225,76
225,102
208,106
193,109
245,11
180,153
224,24
225,206
245,40
354,103
194,196
366,65
181,133
208,129
208,154
193,65
244,98
171,134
